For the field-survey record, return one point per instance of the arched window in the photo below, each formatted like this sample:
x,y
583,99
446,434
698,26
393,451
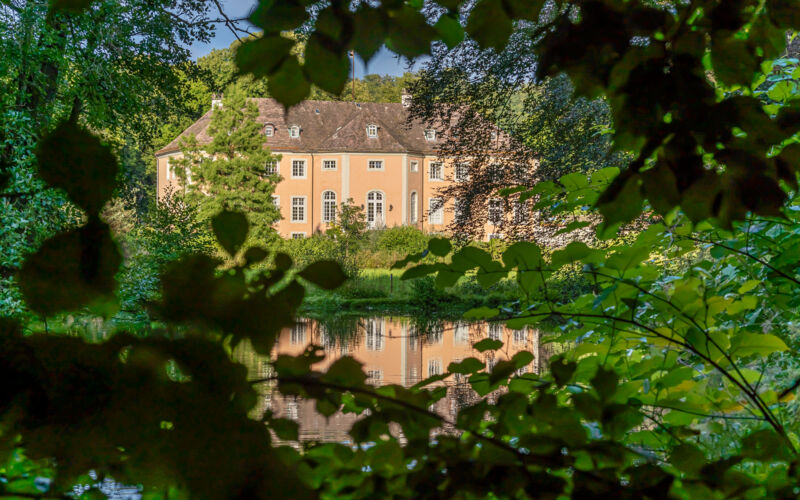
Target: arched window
x,y
375,213
329,207
414,208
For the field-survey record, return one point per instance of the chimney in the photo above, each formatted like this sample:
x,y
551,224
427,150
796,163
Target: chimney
x,y
405,98
216,101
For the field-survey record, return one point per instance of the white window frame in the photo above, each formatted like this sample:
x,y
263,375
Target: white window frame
x,y
294,131
376,222
494,236
305,209
461,333
298,333
440,166
277,164
430,134
373,335
370,162
439,212
325,218
305,169
522,212
434,367
413,214
456,170
372,131
335,164
298,235
495,331
170,172
489,215
276,200
414,166
269,131
374,377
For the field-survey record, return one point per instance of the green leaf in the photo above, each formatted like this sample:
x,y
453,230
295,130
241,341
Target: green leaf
x,y
562,370
622,200
262,56
326,274
489,24
231,230
466,366
487,345
439,246
71,270
288,83
326,64
368,31
73,159
605,383
450,30
745,344
346,371
254,255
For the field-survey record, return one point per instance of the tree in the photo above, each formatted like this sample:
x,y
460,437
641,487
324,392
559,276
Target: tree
x,y
506,129
230,172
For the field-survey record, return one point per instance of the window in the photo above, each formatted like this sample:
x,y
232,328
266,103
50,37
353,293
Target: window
x,y
375,165
435,211
329,206
374,377
521,213
299,169
494,135
495,236
460,209
521,336
490,364
328,164
372,131
276,200
375,209
294,131
434,367
269,130
298,334
435,334
414,167
271,167
495,211
436,171
495,172
461,334
298,236
430,134
374,335
188,175
298,208
170,173
495,331
413,214
461,172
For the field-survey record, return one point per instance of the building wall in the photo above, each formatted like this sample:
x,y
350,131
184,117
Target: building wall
x,y
352,179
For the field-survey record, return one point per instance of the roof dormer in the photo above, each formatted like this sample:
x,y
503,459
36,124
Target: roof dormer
x,y
372,131
294,131
269,130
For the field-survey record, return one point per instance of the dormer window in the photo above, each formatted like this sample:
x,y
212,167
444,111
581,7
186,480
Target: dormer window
x,y
430,134
372,131
294,131
494,135
269,131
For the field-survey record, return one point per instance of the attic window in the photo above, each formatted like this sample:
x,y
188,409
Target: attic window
x,y
269,131
430,134
494,135
372,131
294,131
316,111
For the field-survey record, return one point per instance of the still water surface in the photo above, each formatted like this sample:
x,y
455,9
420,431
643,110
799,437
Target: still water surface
x,y
393,350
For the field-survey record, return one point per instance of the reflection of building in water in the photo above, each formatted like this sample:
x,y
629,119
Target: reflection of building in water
x,y
392,351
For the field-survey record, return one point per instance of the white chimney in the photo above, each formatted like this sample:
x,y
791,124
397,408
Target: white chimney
x,y
405,98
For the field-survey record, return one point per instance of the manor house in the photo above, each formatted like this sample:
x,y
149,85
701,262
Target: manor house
x,y
332,151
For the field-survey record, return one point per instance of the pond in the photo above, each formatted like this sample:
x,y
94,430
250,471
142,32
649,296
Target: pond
x,y
392,350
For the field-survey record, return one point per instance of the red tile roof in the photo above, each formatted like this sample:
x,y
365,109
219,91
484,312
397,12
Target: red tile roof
x,y
330,126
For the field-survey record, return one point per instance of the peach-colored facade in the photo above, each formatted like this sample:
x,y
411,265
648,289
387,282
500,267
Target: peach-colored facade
x,y
392,352
391,171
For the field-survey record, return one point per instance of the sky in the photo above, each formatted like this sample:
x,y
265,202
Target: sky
x,y
383,63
